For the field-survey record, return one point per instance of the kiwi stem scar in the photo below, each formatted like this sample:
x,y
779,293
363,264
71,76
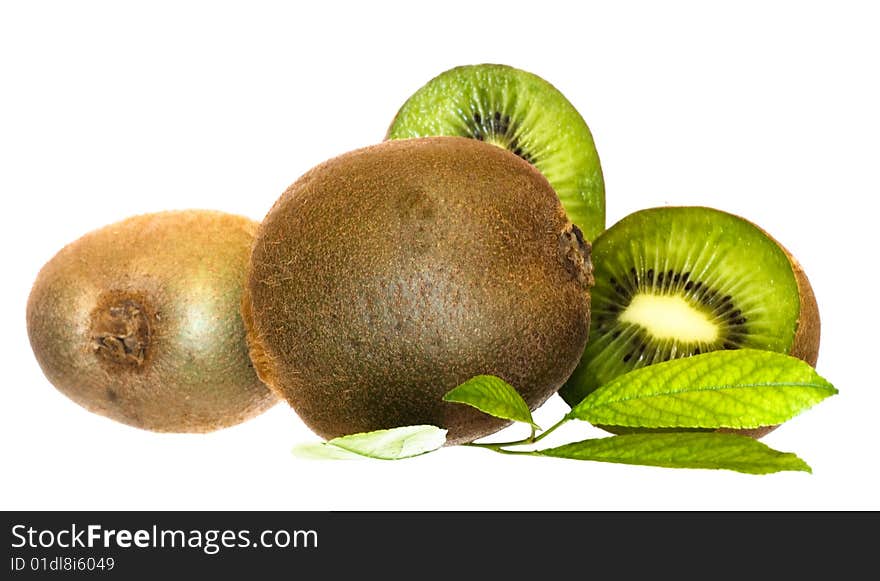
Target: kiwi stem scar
x,y
120,329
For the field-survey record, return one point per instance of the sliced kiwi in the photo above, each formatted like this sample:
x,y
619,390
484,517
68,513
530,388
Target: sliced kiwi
x,y
678,281
523,113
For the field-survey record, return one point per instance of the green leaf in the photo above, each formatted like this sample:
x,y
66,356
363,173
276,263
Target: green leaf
x,y
323,451
494,396
712,450
393,444
743,388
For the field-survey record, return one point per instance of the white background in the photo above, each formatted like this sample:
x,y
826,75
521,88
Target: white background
x,y
765,109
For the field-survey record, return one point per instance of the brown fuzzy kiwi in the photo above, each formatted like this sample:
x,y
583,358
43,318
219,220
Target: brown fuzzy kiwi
x,y
139,321
387,276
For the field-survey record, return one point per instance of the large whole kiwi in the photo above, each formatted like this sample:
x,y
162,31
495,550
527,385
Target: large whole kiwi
x,y
385,277
139,321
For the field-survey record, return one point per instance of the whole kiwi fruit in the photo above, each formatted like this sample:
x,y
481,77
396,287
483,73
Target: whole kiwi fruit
x,y
139,321
389,275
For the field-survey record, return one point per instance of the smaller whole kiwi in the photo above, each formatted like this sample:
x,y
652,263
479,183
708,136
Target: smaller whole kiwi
x,y
139,321
387,276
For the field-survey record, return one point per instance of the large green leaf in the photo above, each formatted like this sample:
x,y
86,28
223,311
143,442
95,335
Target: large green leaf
x,y
683,450
744,388
494,396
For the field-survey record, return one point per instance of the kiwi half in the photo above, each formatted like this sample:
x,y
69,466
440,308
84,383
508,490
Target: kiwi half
x,y
678,281
139,321
522,113
387,276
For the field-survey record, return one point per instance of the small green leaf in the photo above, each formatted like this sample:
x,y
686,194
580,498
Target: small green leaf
x,y
743,388
323,451
494,396
393,444
683,450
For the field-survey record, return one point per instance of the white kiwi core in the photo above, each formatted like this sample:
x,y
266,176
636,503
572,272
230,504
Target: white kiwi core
x,y
670,317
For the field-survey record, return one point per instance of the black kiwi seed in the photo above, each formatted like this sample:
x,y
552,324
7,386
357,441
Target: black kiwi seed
x,y
498,128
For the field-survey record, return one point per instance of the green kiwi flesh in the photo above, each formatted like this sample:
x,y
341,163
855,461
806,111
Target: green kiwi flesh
x,y
523,113
387,276
678,281
140,322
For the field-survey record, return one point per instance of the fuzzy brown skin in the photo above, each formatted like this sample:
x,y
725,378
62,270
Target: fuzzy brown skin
x,y
139,321
387,276
806,338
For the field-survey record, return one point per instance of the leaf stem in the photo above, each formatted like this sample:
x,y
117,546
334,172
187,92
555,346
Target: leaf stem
x,y
501,449
550,430
532,439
